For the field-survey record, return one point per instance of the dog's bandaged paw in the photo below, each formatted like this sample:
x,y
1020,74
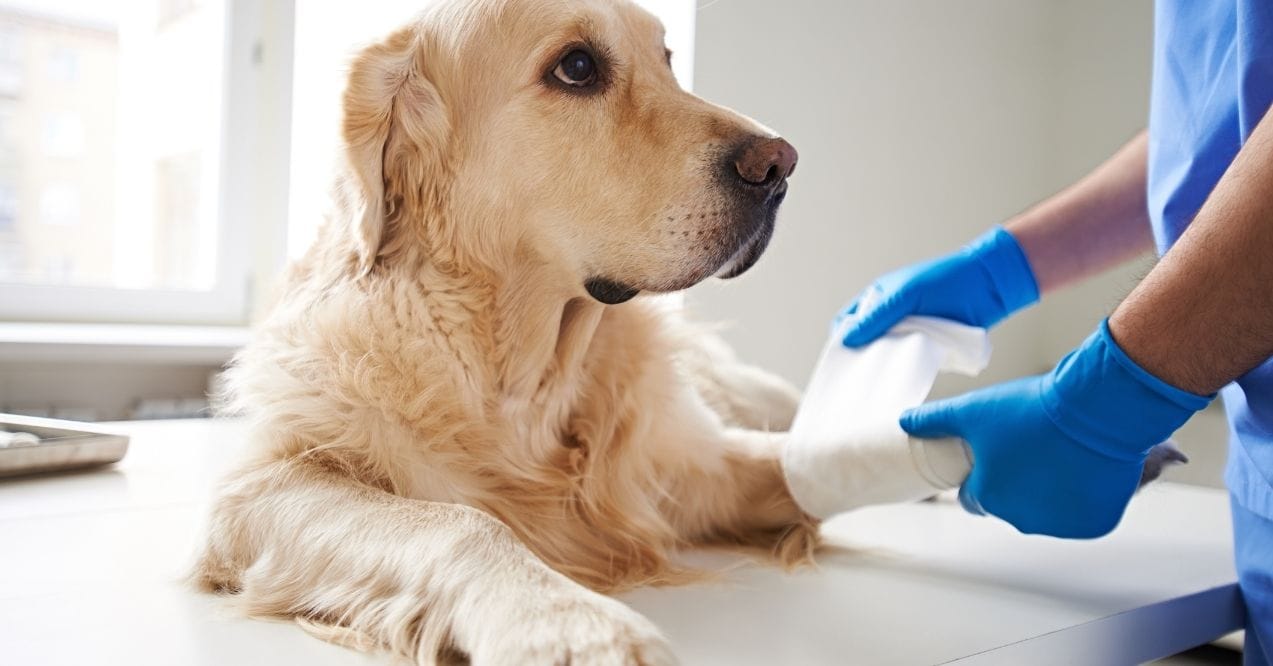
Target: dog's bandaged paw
x,y
580,629
846,449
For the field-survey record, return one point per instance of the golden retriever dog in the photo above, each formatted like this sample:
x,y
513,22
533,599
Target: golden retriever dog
x,y
468,420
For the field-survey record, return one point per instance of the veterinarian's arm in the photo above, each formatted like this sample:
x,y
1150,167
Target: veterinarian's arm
x,y
1094,225
1060,454
1204,315
1097,223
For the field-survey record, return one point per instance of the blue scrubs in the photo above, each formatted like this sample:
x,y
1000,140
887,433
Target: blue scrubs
x,y
1213,83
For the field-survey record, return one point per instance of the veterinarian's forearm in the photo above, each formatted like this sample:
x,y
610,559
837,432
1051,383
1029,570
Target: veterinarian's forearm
x,y
1204,315
1098,223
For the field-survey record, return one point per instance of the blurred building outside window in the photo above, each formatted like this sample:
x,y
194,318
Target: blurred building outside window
x,y
60,205
63,134
111,133
8,207
64,65
177,204
173,10
10,60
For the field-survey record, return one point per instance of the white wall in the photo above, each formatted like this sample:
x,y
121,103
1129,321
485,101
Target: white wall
x,y
1103,63
919,123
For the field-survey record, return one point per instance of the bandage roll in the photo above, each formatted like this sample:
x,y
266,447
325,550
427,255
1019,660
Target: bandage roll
x,y
846,449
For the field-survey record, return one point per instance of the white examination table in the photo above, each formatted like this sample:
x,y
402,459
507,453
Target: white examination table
x,y
90,568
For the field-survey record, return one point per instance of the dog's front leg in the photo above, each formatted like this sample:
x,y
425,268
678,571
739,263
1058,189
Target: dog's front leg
x,y
763,512
743,395
730,485
421,579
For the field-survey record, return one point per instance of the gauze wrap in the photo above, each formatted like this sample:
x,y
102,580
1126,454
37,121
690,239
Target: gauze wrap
x,y
846,449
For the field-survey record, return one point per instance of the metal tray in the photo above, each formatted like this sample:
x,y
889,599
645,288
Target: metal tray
x,y
63,445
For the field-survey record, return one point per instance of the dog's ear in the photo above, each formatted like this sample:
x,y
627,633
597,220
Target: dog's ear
x,y
395,131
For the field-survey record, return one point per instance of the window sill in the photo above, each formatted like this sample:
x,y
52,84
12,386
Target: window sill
x,y
119,343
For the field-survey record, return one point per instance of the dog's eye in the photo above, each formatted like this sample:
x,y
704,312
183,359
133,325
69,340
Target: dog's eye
x,y
577,69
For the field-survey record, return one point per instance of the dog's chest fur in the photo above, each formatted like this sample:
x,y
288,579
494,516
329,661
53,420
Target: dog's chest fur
x,y
538,415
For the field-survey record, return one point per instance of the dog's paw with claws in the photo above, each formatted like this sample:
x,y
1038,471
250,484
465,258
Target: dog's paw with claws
x,y
578,630
1159,459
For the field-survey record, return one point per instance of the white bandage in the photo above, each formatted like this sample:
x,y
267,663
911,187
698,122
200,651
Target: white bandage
x,y
846,449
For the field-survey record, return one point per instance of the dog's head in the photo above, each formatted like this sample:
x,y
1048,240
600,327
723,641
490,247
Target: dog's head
x,y
555,127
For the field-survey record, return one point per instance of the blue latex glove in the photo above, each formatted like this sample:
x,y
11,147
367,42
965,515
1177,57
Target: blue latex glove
x,y
1061,453
980,285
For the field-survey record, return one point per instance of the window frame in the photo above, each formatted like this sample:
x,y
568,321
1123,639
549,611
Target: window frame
x,y
252,213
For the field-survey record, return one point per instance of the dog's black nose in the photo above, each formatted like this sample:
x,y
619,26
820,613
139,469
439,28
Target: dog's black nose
x,y
766,162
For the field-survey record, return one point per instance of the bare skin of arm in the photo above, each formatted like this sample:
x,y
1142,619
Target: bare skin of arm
x,y
1094,225
1204,315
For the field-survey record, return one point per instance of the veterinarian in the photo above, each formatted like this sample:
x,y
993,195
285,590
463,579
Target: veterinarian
x,y
1061,453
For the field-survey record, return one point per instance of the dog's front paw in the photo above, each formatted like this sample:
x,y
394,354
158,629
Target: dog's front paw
x,y
1160,458
577,630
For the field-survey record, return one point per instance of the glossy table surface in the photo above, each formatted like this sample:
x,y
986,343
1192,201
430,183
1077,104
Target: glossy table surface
x,y
91,568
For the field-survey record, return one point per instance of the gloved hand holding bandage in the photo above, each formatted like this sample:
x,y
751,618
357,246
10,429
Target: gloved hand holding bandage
x,y
846,449
1058,454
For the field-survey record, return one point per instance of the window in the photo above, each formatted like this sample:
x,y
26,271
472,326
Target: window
x,y
10,257
10,57
64,65
58,268
63,134
172,10
60,207
177,228
8,114
9,133
8,207
119,208
10,44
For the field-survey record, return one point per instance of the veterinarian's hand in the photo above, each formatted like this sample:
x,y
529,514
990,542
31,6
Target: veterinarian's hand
x,y
980,285
1061,453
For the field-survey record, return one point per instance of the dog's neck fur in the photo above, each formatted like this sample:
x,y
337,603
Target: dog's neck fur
x,y
538,329
543,337
536,319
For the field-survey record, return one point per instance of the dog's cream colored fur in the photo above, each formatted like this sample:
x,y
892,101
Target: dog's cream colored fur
x,y
455,449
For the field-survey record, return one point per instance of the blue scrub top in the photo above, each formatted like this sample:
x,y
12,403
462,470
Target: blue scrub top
x,y
1213,82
